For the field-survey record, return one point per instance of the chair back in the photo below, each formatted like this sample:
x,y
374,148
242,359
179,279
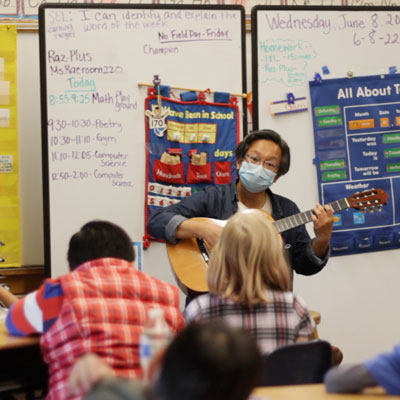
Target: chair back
x,y
298,363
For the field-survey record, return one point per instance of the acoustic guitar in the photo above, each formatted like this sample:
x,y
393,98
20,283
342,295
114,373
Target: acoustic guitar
x,y
189,257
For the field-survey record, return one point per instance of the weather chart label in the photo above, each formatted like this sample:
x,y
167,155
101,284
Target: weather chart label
x,y
357,145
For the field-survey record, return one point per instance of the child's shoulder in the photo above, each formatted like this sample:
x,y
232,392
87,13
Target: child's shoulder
x,y
51,287
287,297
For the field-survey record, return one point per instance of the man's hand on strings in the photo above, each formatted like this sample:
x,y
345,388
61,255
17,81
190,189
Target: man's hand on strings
x,y
323,224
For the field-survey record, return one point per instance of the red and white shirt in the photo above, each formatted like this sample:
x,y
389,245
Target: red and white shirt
x,y
100,307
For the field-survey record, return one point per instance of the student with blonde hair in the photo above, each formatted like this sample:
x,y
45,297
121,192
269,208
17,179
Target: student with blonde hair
x,y
250,284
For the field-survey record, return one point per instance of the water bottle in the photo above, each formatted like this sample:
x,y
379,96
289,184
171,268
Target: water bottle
x,y
155,337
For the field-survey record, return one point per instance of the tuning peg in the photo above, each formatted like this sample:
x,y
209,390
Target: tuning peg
x,y
363,210
371,209
379,208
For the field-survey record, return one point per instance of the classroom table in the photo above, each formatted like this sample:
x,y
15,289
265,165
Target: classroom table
x,y
21,364
315,392
8,342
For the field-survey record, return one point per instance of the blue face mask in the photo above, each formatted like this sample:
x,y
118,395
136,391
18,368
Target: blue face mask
x,y
255,178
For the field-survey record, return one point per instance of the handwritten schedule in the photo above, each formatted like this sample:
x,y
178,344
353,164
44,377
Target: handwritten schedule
x,y
92,58
286,58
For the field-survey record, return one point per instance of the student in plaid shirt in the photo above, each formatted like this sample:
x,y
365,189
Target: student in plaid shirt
x,y
99,307
250,284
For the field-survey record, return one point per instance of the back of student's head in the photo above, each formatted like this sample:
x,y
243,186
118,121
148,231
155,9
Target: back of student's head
x,y
209,361
98,239
248,259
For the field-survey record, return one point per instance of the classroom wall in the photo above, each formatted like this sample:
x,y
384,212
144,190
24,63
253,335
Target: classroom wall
x,y
356,295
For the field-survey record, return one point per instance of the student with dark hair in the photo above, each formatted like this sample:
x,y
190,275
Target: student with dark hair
x,y
99,307
207,360
261,158
99,239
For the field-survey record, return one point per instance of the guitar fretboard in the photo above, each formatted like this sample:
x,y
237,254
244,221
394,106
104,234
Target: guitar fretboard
x,y
302,218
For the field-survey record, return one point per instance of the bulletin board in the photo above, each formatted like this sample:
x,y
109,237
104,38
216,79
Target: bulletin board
x,y
93,58
10,241
327,79
195,147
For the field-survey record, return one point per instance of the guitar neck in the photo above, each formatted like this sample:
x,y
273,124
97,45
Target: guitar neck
x,y
302,218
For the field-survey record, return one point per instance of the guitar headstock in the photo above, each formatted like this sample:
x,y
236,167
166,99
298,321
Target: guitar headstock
x,y
368,200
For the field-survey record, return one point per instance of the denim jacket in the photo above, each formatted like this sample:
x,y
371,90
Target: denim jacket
x,y
220,202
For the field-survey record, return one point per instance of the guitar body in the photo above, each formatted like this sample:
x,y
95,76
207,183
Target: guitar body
x,y
189,261
189,266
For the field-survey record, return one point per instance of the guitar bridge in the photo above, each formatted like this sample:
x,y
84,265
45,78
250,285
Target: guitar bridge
x,y
203,249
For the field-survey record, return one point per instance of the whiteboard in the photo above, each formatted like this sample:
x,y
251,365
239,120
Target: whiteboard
x,y
289,46
92,58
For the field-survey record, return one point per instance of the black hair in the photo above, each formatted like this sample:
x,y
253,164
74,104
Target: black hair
x,y
209,360
98,239
266,134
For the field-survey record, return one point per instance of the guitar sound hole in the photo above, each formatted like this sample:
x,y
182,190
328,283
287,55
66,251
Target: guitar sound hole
x,y
203,249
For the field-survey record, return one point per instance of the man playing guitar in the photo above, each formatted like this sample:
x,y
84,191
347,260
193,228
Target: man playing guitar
x,y
261,158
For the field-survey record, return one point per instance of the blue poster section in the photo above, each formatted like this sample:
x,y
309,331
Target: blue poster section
x,y
357,145
190,144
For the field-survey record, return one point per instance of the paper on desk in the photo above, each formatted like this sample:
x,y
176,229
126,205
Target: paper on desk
x,y
3,313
